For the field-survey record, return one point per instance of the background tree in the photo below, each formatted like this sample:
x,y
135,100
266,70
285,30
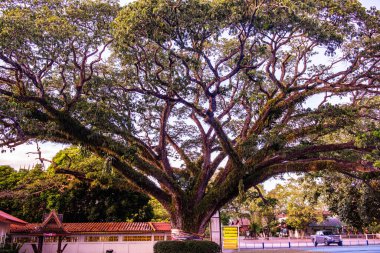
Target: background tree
x,y
300,216
28,195
300,207
292,198
355,200
159,212
266,215
352,196
258,207
200,96
99,196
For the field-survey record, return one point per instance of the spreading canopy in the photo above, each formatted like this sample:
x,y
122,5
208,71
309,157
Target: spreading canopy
x,y
199,98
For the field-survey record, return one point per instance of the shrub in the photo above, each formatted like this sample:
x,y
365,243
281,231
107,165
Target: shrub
x,y
10,248
186,247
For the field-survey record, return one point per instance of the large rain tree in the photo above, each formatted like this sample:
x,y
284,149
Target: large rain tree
x,y
193,101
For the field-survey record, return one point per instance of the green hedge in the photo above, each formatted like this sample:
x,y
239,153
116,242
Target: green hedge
x,y
10,248
186,247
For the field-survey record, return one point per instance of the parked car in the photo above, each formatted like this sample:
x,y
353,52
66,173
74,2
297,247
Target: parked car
x,y
326,237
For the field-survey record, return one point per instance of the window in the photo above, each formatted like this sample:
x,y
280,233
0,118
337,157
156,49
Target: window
x,y
51,239
65,239
92,239
136,238
109,238
159,238
70,239
101,239
25,239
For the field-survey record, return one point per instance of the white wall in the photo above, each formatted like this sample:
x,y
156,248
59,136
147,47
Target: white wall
x,y
96,247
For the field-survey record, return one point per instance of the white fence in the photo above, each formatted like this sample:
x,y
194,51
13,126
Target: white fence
x,y
94,247
116,243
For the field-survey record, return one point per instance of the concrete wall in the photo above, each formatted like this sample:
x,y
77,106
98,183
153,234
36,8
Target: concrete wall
x,y
97,247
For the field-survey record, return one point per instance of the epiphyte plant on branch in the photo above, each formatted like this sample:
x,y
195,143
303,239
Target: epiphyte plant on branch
x,y
197,96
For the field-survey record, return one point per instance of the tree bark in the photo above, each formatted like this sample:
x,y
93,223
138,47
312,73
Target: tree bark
x,y
38,248
189,221
59,248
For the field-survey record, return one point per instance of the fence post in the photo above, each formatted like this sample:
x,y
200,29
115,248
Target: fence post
x,y
263,245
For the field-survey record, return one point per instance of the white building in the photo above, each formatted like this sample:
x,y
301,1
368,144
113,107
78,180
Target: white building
x,y
5,221
94,237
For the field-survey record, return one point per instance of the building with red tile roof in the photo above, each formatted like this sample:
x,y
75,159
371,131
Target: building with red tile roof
x,y
99,228
90,237
94,237
243,224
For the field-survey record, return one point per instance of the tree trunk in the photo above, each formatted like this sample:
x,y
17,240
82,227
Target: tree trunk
x,y
59,248
59,244
190,222
38,248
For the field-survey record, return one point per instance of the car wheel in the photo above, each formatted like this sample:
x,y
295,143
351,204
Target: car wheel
x,y
340,243
326,243
315,244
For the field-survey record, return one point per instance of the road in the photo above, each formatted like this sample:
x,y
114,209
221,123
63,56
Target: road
x,y
324,249
345,249
299,243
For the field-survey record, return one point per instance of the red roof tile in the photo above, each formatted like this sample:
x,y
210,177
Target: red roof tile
x,y
108,227
7,218
24,228
101,227
161,226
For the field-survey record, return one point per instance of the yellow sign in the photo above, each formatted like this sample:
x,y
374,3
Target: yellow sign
x,y
231,237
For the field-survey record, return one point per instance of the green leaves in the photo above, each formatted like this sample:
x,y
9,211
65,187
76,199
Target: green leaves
x,y
50,26
196,96
355,202
370,139
355,199
183,22
97,197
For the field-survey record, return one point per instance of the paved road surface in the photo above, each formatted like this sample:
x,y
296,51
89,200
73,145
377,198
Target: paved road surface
x,y
324,249
345,249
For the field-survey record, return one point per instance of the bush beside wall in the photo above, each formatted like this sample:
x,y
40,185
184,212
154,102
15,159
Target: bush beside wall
x,y
10,248
186,247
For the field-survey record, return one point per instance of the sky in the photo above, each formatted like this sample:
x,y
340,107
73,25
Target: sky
x,y
22,158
